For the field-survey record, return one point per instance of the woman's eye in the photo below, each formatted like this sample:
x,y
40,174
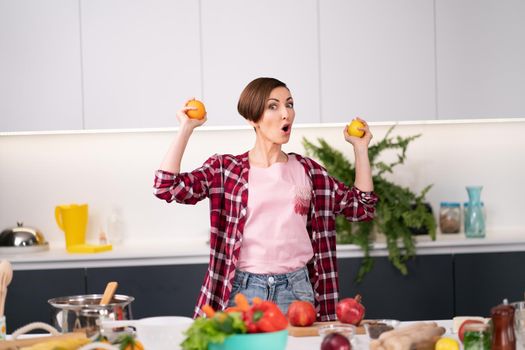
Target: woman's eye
x,y
289,105
272,106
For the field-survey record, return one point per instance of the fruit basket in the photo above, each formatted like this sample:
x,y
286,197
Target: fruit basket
x,y
255,341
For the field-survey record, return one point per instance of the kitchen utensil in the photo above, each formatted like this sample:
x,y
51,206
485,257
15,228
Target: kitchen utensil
x,y
6,275
159,333
73,219
21,236
84,312
111,288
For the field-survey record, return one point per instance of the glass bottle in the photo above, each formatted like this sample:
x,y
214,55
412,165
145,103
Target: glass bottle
x,y
115,227
503,337
465,214
474,220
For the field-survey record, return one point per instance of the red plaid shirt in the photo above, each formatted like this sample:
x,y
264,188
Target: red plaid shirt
x,y
224,180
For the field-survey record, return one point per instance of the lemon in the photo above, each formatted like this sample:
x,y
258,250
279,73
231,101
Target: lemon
x,y
447,343
353,128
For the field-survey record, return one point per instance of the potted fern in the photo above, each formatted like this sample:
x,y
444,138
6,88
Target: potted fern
x,y
398,212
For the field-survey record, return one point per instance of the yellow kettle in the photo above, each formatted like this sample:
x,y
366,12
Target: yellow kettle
x,y
73,220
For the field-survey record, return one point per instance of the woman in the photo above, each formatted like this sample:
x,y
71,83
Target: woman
x,y
272,213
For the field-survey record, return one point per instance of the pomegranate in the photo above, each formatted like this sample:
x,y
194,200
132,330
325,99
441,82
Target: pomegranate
x,y
335,341
301,313
350,310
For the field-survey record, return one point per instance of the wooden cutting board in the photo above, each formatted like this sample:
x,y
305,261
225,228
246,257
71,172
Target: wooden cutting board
x,y
313,330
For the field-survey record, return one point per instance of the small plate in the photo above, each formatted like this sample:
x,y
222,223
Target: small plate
x,y
374,328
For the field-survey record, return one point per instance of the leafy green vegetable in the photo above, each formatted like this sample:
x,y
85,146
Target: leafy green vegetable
x,y
212,330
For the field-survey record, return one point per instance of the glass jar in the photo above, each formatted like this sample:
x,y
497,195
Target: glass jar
x,y
449,217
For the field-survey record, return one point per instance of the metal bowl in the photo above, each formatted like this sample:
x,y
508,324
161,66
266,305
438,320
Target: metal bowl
x,y
84,312
21,236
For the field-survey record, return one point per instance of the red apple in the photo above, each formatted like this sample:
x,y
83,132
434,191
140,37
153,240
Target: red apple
x,y
461,330
301,313
335,341
350,310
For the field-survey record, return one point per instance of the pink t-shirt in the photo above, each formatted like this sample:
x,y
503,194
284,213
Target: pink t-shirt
x,y
275,238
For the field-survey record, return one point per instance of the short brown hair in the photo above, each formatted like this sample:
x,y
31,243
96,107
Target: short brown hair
x,y
253,98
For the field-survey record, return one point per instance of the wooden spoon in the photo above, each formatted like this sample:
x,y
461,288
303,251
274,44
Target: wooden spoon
x,y
6,276
111,288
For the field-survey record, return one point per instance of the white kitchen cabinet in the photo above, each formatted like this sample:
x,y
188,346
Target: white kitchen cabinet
x,y
141,61
40,66
377,60
243,40
480,58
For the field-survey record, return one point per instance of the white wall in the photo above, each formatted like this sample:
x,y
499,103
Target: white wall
x,y
109,170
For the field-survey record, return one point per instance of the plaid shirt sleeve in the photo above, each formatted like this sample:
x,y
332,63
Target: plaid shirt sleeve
x,y
187,188
354,204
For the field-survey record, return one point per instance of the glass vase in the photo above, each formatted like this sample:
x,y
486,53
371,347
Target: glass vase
x,y
474,218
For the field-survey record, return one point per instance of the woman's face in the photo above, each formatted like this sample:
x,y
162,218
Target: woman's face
x,y
276,122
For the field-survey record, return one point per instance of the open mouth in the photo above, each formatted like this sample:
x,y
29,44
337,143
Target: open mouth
x,y
286,128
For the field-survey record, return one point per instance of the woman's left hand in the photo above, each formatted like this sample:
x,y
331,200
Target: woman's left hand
x,y
359,142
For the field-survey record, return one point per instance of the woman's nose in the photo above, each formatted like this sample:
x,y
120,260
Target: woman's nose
x,y
285,113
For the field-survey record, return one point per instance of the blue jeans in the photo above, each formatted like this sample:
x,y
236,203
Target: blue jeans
x,y
282,289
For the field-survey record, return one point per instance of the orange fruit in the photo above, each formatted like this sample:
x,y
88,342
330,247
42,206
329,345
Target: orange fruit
x,y
198,113
353,128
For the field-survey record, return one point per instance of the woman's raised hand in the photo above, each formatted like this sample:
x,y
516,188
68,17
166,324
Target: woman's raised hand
x,y
186,121
362,141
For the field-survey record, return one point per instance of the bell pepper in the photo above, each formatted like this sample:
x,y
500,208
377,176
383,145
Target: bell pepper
x,y
265,317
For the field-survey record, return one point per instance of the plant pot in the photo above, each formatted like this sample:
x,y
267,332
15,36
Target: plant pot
x,y
420,231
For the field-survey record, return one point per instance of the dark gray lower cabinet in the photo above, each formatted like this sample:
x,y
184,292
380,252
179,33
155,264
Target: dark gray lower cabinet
x,y
427,292
436,287
158,290
483,280
29,292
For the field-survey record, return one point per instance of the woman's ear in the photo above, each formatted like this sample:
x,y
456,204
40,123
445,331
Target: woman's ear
x,y
252,123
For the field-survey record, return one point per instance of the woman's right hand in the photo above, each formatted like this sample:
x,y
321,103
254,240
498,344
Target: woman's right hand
x,y
186,121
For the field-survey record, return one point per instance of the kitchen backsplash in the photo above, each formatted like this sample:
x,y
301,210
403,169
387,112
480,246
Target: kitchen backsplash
x,y
114,171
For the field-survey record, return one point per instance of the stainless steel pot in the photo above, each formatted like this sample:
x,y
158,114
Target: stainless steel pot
x,y
84,312
21,236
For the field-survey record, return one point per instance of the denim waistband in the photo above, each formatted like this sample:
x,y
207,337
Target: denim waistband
x,y
244,277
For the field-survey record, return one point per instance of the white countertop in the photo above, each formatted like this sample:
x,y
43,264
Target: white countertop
x,y
359,342
141,253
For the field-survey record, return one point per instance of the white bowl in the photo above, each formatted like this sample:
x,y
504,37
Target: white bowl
x,y
347,330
